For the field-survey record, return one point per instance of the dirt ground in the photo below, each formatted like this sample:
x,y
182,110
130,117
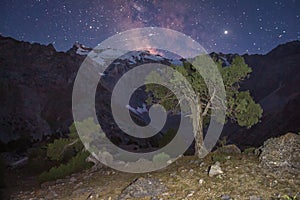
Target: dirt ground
x,y
187,178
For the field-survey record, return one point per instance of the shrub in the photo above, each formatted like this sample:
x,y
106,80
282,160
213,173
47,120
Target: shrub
x,y
160,158
69,153
249,150
167,137
76,164
222,142
219,157
65,148
38,161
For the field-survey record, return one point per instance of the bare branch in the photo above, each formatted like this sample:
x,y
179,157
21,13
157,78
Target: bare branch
x,y
209,103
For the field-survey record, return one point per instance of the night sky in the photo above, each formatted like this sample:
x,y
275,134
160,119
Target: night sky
x,y
228,26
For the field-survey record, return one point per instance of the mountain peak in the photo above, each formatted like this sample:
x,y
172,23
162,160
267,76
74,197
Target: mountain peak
x,y
288,48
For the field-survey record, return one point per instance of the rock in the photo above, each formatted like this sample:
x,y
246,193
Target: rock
x,y
229,149
226,197
143,187
51,195
191,193
254,198
77,185
59,181
83,191
215,170
73,179
281,155
201,181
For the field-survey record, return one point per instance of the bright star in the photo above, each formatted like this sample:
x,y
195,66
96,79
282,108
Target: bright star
x,y
225,32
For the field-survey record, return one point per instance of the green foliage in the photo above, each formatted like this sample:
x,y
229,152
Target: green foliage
x,y
65,148
38,161
287,197
76,164
246,111
161,158
222,142
56,150
70,151
168,136
240,105
219,157
249,150
235,73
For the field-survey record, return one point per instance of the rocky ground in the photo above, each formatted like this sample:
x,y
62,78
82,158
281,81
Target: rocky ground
x,y
270,172
187,178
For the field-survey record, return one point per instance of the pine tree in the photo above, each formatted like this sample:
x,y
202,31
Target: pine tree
x,y
241,107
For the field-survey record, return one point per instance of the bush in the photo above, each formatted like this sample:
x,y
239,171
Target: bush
x,y
249,150
64,149
223,141
76,164
167,137
161,158
69,153
38,161
219,157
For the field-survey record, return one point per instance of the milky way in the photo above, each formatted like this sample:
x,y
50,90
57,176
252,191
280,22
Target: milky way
x,y
229,26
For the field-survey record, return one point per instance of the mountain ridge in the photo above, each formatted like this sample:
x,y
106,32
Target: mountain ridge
x,y
36,87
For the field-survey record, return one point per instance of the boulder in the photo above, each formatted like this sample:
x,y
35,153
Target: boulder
x,y
281,155
215,170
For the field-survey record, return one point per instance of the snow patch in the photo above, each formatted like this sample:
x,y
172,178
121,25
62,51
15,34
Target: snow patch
x,y
138,110
225,61
82,50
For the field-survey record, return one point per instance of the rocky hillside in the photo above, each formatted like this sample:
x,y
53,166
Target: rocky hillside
x,y
36,85
35,89
274,83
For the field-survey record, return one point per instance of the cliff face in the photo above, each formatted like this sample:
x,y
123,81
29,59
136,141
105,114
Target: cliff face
x,y
36,90
36,85
275,84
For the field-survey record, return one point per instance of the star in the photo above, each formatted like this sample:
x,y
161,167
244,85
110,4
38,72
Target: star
x,y
210,23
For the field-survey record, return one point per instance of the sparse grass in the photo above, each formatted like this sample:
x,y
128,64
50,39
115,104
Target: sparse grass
x,y
242,178
287,197
219,157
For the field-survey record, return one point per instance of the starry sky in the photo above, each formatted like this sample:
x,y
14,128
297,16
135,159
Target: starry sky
x,y
228,26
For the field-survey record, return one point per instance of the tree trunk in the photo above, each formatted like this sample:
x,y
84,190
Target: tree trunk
x,y
198,129
199,139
